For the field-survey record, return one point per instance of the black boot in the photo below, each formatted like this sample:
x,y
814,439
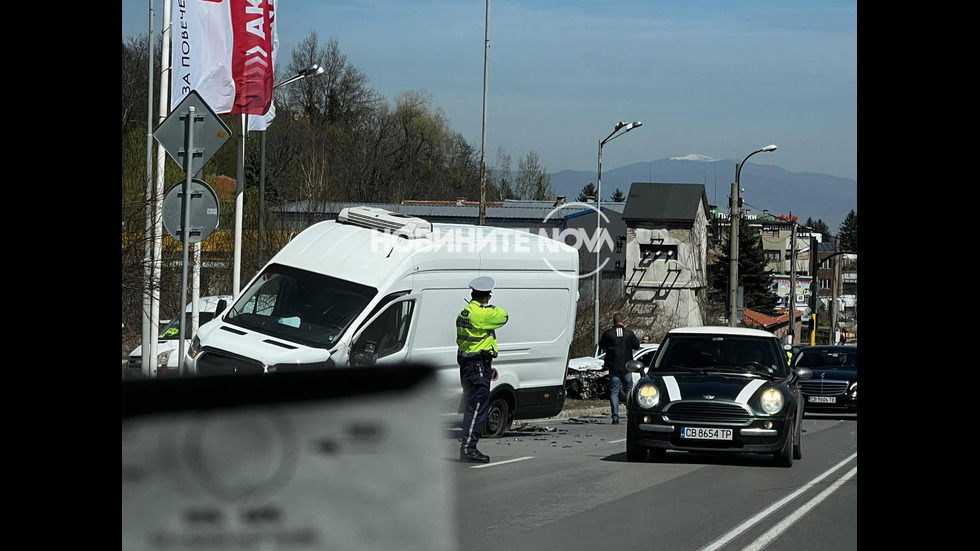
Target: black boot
x,y
473,457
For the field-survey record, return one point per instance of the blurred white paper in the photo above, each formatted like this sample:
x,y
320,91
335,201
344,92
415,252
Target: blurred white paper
x,y
351,473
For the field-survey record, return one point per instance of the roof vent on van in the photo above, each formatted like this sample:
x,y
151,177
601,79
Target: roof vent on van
x,y
381,219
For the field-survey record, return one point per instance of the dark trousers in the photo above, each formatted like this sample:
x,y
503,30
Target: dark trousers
x,y
474,374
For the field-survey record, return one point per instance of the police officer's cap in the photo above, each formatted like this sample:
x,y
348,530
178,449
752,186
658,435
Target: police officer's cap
x,y
483,283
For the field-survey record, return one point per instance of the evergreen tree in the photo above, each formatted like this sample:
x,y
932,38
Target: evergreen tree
x,y
848,233
618,196
753,276
819,226
587,194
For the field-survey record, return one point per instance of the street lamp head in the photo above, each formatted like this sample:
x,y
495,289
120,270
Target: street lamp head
x,y
769,148
633,125
620,125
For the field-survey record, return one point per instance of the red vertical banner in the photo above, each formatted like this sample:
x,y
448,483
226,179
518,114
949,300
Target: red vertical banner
x,y
252,61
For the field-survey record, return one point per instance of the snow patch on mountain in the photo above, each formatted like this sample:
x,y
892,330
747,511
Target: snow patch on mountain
x,y
694,157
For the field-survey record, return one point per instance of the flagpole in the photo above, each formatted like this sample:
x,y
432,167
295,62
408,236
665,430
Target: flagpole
x,y
239,205
150,348
148,243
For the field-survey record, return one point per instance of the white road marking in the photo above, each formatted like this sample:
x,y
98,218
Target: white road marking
x,y
777,530
737,531
484,466
616,441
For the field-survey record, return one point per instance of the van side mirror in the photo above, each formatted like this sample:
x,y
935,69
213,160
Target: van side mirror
x,y
366,356
222,304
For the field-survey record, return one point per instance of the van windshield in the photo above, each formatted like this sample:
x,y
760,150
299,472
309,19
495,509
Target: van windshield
x,y
300,306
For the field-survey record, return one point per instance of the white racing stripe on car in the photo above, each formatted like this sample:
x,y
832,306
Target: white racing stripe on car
x,y
673,389
749,390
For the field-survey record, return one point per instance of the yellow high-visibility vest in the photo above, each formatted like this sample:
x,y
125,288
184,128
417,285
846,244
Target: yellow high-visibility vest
x,y
475,327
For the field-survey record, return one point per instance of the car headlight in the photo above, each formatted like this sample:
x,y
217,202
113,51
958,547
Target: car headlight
x,y
854,390
647,396
163,357
771,401
195,347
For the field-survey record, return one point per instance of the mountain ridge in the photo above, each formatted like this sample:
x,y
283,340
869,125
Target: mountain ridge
x,y
802,194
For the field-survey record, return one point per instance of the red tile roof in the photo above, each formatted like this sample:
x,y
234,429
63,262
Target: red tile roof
x,y
751,318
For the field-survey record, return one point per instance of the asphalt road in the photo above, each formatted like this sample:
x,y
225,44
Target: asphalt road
x,y
564,483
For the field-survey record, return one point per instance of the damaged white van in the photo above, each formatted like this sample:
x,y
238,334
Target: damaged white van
x,y
374,287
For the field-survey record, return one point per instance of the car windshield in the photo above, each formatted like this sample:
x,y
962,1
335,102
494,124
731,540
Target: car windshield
x,y
829,359
741,354
300,306
172,330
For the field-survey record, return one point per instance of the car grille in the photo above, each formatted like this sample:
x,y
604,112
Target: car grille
x,y
220,363
823,387
698,411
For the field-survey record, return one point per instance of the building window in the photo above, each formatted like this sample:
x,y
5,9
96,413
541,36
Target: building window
x,y
773,256
770,231
658,252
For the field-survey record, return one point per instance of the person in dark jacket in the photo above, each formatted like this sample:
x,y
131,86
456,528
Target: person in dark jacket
x,y
618,343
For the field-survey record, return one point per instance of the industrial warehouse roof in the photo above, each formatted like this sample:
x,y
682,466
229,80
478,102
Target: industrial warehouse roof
x,y
664,202
525,210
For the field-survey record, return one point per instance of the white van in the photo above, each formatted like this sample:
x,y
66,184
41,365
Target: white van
x,y
168,342
375,287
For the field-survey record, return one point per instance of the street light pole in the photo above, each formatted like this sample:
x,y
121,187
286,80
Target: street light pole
x,y
792,281
733,238
625,127
483,143
312,70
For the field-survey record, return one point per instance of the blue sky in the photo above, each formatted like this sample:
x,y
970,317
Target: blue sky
x,y
715,78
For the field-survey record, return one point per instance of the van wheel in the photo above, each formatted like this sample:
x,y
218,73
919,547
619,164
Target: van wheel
x,y
498,419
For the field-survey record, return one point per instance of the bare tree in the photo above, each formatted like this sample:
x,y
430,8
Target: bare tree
x,y
501,180
533,182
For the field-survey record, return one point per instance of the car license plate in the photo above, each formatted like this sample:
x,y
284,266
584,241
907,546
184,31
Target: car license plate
x,y
822,399
701,433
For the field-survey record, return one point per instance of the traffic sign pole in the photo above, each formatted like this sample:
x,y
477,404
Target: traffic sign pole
x,y
185,224
176,134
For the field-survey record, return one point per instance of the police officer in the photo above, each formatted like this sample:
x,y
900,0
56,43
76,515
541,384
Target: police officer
x,y
618,343
476,345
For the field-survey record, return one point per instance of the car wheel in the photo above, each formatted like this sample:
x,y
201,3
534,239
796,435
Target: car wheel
x,y
798,446
784,457
635,453
498,419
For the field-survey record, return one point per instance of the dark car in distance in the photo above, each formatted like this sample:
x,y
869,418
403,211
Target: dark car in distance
x,y
716,389
833,388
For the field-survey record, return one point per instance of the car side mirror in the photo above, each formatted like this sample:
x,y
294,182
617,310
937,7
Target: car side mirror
x,y
803,372
222,304
635,366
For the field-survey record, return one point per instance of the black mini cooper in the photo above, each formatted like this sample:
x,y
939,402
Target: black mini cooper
x,y
720,390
